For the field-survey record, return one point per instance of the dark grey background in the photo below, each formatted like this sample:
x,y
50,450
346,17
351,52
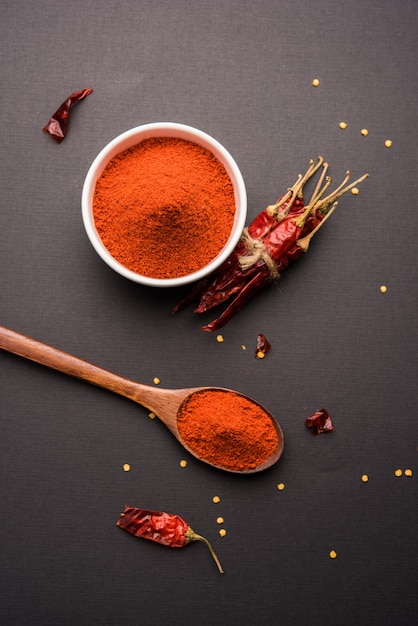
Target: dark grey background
x,y
241,71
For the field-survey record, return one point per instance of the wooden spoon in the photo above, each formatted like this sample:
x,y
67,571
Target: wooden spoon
x,y
165,403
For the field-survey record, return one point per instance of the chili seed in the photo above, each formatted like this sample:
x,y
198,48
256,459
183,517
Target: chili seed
x,y
183,463
126,467
280,486
220,520
152,416
332,554
388,143
156,381
383,289
398,472
216,499
364,132
243,347
408,472
354,191
343,125
219,338
315,82
222,532
365,478
260,354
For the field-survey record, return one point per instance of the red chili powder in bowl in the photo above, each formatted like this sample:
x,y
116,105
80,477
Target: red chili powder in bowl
x,y
227,429
164,208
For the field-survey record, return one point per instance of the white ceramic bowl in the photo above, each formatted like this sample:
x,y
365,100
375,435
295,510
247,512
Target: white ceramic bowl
x,y
131,138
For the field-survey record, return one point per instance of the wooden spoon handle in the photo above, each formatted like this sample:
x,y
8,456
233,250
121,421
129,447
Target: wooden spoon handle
x,y
62,361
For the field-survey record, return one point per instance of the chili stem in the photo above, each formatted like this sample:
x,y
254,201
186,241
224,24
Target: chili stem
x,y
341,190
305,241
319,184
196,537
295,190
320,193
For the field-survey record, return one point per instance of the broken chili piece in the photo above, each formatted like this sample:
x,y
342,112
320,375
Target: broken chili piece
x,y
58,123
164,528
262,347
320,422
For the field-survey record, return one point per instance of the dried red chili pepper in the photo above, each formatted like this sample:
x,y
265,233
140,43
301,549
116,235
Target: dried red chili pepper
x,y
258,261
58,122
320,422
262,346
164,528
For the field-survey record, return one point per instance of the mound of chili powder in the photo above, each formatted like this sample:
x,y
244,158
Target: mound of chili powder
x,y
227,429
164,208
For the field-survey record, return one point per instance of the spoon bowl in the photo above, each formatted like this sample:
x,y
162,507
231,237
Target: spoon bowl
x,y
165,403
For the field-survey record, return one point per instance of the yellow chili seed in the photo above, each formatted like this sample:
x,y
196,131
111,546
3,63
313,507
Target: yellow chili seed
x,y
398,472
260,354
126,467
315,82
343,125
408,472
383,289
364,132
219,338
156,381
183,463
243,347
220,520
365,478
222,532
152,416
332,554
280,486
388,143
216,499
354,191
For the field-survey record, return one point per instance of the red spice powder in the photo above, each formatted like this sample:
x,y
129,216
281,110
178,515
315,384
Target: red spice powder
x,y
164,208
227,429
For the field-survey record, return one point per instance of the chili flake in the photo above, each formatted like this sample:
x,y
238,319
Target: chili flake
x,y
388,143
315,82
320,422
58,122
343,125
398,472
222,532
333,554
365,478
408,472
183,463
262,347
126,467
364,132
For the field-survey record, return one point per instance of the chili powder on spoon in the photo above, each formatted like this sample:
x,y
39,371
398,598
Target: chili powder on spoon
x,y
227,429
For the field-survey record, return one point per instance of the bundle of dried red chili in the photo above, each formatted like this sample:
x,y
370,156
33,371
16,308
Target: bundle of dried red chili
x,y
278,236
58,123
164,528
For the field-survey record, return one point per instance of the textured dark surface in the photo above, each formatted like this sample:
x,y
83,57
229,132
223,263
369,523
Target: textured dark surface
x,y
241,71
